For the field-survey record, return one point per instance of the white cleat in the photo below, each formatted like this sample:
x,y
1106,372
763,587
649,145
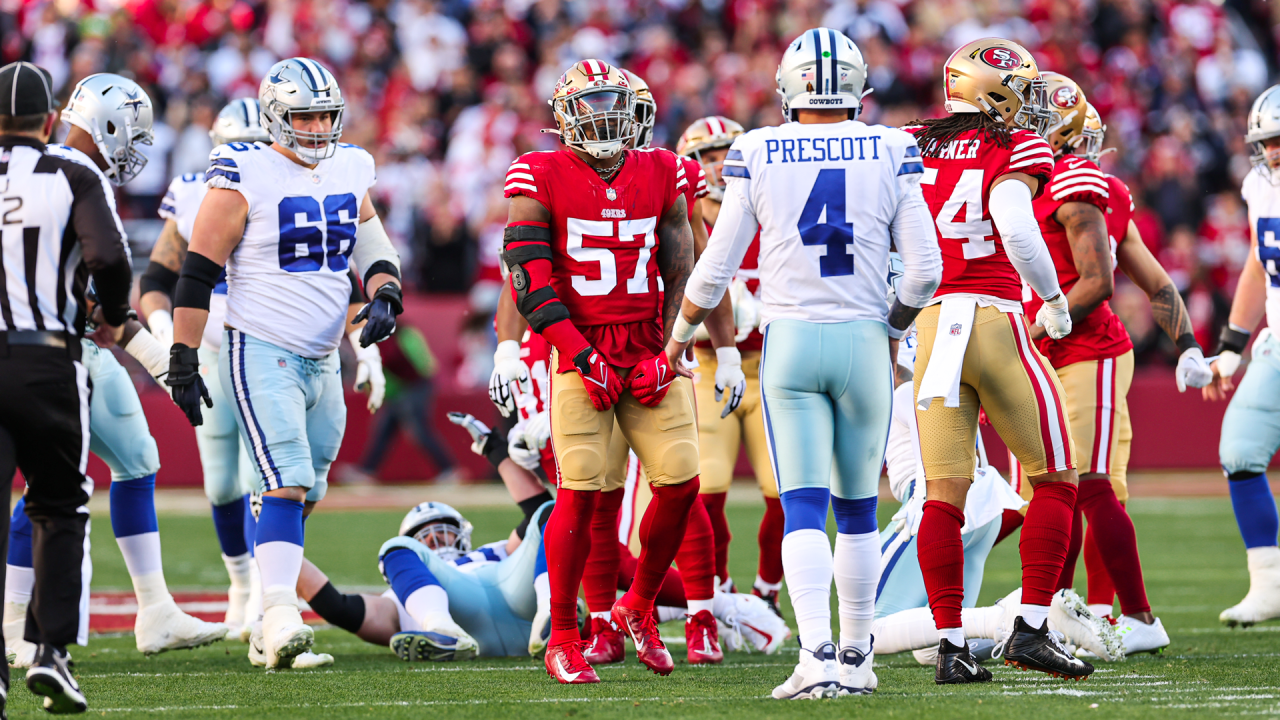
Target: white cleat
x,y
856,675
540,632
19,652
1262,603
308,660
927,657
164,627
257,645
440,640
1139,637
1069,614
746,622
284,636
237,608
816,676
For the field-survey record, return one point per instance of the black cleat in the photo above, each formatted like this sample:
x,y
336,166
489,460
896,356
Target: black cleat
x,y
51,677
1040,650
957,666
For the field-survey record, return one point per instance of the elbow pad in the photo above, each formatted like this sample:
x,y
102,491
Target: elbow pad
x,y
374,252
158,278
527,254
1010,208
195,285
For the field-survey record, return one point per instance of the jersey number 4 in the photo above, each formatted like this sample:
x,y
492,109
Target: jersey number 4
x,y
824,222
973,230
626,231
312,236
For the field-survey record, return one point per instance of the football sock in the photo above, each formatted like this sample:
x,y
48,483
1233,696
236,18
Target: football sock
x,y
806,557
1255,508
1045,536
133,520
1101,590
1010,520
955,636
856,568
414,585
696,606
279,549
338,609
238,570
1067,577
250,528
661,534
714,502
666,613
567,537
228,523
772,528
1113,528
696,557
941,556
599,577
1034,615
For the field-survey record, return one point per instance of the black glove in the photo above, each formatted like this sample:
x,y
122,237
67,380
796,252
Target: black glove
x,y
188,387
381,314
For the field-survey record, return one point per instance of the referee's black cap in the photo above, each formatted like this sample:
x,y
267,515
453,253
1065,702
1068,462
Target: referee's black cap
x,y
26,89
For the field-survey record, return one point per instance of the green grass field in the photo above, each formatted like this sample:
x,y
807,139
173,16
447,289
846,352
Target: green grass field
x,y
1194,568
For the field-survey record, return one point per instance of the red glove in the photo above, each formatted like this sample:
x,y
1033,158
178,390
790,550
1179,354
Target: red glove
x,y
601,381
651,379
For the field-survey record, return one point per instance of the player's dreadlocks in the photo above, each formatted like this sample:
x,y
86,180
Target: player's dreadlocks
x,y
937,132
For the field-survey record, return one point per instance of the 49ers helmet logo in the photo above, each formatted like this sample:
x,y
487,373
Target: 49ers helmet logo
x,y
1001,58
1064,97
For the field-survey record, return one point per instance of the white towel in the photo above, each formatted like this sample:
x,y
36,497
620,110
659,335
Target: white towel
x,y
946,358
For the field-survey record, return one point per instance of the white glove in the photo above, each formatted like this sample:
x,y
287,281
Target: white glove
x,y
510,377
1054,317
520,453
746,309
160,323
479,431
1227,364
537,430
729,379
369,372
1192,370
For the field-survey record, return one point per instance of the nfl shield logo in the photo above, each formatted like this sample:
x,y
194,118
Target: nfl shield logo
x,y
611,194
282,363
955,329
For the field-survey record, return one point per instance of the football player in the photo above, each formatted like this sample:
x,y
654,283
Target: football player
x,y
828,195
599,248
1251,428
229,476
984,164
1095,362
722,430
287,220
109,117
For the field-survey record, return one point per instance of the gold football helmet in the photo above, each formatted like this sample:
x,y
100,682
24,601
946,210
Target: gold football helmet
x,y
1092,135
646,110
595,108
1066,111
997,77
713,132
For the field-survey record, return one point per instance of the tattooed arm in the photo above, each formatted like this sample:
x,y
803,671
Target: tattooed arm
x,y
1086,228
675,261
1167,308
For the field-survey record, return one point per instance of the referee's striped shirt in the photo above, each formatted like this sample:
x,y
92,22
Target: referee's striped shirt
x,y
58,226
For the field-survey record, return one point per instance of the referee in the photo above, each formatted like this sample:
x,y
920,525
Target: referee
x,y
57,227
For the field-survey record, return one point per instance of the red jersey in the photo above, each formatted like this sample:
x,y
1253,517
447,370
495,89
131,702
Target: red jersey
x,y
1100,335
1119,213
697,178
603,240
957,186
535,353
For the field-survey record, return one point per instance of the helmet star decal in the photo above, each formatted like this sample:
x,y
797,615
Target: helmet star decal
x,y
135,102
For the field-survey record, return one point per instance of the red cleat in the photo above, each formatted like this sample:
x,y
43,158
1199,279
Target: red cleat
x,y
643,630
566,664
607,644
703,639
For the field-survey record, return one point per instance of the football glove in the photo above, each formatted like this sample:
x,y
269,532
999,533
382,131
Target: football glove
x,y
1227,364
537,430
380,314
1055,318
600,380
520,452
510,377
651,379
1192,370
729,379
369,372
160,323
478,430
185,383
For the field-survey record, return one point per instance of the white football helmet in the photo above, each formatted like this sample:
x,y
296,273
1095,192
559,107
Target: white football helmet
x,y
117,114
440,528
1264,123
822,70
300,85
239,121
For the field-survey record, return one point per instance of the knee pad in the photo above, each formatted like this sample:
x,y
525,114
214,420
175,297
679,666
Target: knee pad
x,y
679,460
582,463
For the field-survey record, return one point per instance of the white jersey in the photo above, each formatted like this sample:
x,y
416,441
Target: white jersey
x,y
1263,200
180,204
828,200
287,279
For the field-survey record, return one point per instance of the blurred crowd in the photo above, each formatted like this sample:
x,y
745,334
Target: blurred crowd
x,y
446,93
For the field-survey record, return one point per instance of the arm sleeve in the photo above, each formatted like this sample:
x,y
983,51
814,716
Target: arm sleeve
x,y
102,241
916,238
735,229
1010,207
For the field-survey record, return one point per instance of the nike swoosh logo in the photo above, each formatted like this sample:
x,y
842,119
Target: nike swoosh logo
x,y
973,669
640,647
706,644
565,673
767,637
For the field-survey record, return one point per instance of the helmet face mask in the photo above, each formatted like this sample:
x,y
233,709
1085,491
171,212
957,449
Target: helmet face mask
x,y
117,114
1264,126
440,528
1092,136
301,85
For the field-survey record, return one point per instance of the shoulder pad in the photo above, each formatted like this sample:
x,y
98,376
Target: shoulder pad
x,y
1078,180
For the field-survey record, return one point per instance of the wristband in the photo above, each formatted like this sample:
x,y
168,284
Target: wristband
x,y
1233,339
895,333
147,350
1186,341
682,331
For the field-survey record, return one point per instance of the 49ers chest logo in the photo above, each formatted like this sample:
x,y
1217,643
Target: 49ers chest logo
x,y
1064,97
1001,58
